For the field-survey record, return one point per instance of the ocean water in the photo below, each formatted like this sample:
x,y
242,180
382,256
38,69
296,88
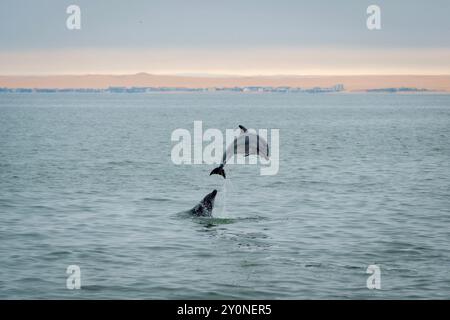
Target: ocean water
x,y
87,180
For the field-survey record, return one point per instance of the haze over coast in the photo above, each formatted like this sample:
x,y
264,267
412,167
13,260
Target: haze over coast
x,y
351,83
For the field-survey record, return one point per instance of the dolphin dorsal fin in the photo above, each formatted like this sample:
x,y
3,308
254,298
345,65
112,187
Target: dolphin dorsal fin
x,y
243,129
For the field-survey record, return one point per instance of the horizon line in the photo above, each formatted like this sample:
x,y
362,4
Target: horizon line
x,y
221,75
142,79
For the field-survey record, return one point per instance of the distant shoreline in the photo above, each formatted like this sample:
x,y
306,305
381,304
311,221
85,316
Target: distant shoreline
x,y
356,83
338,89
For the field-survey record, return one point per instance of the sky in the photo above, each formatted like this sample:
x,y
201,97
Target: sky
x,y
238,37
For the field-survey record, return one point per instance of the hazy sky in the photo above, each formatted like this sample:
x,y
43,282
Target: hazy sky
x,y
226,37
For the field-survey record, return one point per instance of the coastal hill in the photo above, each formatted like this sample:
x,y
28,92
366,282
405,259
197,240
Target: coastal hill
x,y
356,83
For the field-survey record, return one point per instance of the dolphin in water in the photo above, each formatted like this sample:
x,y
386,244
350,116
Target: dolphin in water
x,y
246,143
205,207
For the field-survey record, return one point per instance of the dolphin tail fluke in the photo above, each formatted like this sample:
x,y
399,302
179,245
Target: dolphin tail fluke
x,y
220,171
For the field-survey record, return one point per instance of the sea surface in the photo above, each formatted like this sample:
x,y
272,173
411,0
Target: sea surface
x,y
88,180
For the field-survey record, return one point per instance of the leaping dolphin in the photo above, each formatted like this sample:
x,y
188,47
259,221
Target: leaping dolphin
x,y
246,143
205,207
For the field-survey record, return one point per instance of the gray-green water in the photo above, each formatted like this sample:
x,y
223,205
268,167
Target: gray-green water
x,y
88,180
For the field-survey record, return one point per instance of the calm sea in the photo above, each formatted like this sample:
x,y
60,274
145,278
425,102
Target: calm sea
x,y
87,180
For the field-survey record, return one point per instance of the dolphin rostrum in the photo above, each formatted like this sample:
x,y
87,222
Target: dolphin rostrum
x,y
246,143
205,207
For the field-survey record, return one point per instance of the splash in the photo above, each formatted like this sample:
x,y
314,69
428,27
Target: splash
x,y
224,198
227,185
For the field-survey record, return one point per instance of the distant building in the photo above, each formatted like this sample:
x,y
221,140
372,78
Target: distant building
x,y
255,89
117,89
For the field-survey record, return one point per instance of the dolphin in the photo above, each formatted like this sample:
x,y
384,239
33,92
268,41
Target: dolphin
x,y
246,143
205,207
